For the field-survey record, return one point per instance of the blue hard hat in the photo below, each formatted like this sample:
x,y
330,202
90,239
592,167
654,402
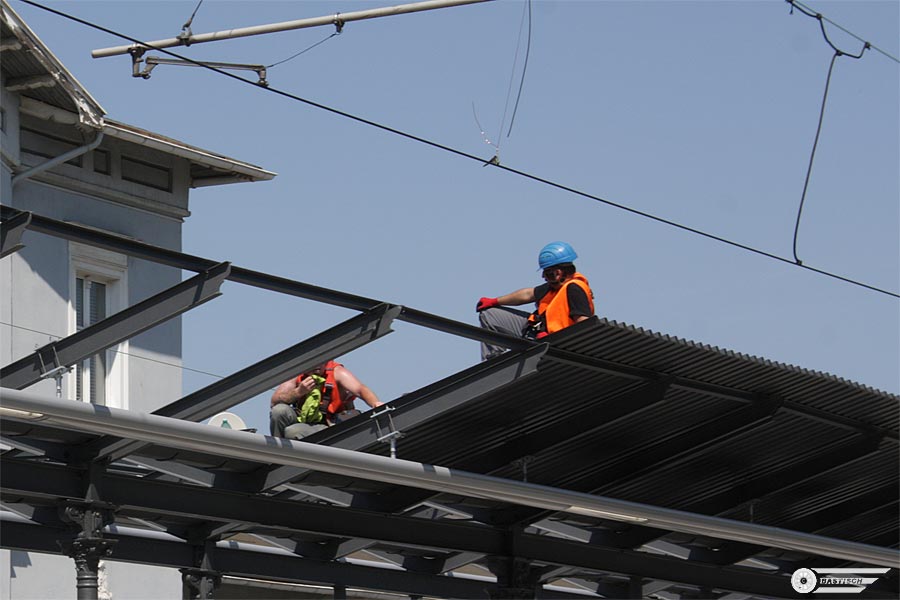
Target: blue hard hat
x,y
556,253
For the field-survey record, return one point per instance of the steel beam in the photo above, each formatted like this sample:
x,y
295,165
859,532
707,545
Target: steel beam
x,y
141,497
115,328
330,550
246,383
34,447
822,462
603,478
675,446
177,470
642,396
243,560
878,498
138,497
11,231
299,289
245,446
424,404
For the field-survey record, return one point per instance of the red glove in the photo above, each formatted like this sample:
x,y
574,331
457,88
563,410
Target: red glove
x,y
542,334
486,303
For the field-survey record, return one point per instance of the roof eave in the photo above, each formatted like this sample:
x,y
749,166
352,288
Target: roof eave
x,y
89,110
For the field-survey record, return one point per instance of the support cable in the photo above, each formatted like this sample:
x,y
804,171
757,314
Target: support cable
x,y
837,53
185,35
524,68
472,157
495,160
305,50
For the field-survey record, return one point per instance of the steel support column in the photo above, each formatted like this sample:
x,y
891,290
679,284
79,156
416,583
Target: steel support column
x,y
516,579
116,328
199,582
89,545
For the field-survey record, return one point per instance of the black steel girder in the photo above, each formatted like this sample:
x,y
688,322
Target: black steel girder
x,y
187,262
139,497
641,396
854,449
421,405
683,444
243,562
116,328
11,231
256,378
662,451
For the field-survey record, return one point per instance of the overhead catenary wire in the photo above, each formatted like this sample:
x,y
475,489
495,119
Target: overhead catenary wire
x,y
512,75
478,159
512,119
128,354
810,12
837,53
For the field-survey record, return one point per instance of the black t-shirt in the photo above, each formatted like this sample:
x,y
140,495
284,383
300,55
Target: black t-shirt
x,y
579,306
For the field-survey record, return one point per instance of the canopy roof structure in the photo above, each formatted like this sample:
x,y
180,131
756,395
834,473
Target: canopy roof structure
x,y
608,462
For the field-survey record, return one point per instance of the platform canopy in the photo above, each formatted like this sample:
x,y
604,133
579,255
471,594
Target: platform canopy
x,y
609,462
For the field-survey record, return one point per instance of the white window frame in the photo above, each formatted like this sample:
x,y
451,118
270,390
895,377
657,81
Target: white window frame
x,y
110,269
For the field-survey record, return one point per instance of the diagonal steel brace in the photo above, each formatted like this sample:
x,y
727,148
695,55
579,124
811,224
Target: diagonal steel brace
x,y
115,329
259,377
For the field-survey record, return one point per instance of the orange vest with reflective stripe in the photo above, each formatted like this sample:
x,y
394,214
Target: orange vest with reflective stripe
x,y
331,392
554,306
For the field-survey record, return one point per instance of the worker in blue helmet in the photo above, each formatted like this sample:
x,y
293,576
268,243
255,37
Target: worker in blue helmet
x,y
565,298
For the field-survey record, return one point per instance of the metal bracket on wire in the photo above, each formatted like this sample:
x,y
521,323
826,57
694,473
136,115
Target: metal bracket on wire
x,y
388,435
141,67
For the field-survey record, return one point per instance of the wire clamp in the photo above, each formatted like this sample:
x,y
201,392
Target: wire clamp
x,y
185,36
338,23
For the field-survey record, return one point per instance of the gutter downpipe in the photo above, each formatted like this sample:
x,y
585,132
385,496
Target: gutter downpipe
x,y
186,435
49,164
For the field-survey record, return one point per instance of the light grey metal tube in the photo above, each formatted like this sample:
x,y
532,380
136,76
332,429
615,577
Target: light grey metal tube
x,y
247,446
49,164
288,25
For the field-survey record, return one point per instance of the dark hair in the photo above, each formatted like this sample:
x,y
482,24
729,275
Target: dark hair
x,y
568,269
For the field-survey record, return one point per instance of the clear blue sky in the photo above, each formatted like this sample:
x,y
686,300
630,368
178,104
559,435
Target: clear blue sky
x,y
699,112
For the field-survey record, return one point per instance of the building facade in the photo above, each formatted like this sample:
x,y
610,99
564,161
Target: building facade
x,y
63,158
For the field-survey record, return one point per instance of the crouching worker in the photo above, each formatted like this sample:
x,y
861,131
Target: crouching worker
x,y
312,401
565,298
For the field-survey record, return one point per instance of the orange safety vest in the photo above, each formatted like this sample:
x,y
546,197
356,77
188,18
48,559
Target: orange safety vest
x,y
332,395
553,308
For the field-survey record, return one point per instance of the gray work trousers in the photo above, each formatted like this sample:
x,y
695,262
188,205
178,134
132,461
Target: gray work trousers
x,y
502,319
283,423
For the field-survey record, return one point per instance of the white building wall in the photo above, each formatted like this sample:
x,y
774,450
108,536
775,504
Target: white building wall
x,y
36,307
